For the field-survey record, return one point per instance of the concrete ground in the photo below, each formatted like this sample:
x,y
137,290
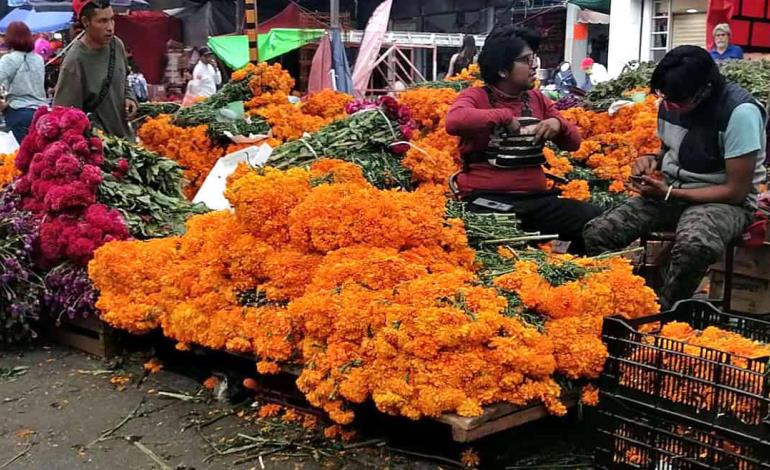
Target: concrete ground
x,y
63,410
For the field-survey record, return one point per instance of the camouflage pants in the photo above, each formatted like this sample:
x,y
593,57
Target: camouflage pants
x,y
702,234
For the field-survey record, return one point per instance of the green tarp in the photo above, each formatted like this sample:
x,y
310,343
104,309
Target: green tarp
x,y
234,50
602,6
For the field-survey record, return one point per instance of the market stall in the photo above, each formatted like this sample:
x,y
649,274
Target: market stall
x,y
342,257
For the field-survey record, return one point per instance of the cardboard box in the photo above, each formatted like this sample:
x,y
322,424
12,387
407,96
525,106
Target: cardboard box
x,y
749,294
751,262
156,92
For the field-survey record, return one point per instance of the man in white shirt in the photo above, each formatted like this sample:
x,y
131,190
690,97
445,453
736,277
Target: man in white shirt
x,y
596,73
207,73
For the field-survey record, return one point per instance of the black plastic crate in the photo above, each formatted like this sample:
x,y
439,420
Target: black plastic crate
x,y
714,388
633,438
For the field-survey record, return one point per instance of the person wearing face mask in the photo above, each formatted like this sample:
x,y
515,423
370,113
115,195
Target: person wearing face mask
x,y
93,76
508,65
705,179
723,50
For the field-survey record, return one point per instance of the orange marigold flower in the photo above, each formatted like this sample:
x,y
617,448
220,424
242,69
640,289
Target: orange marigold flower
x,y
589,395
577,190
333,431
153,366
617,186
470,458
8,170
471,72
288,122
309,421
189,146
211,383
429,106
269,410
267,367
326,104
291,416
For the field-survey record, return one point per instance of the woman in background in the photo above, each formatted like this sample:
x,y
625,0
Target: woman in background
x,y
22,73
468,55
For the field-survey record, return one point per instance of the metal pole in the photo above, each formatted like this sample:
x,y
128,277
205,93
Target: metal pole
x,y
251,29
334,13
435,63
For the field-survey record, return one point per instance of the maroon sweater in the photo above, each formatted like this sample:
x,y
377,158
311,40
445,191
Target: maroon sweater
x,y
473,119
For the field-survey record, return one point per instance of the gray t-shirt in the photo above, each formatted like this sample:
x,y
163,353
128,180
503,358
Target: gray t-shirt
x,y
81,77
745,134
23,75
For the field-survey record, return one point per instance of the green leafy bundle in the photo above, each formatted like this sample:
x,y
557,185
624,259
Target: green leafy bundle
x,y
253,125
363,138
149,195
753,75
156,109
634,75
456,85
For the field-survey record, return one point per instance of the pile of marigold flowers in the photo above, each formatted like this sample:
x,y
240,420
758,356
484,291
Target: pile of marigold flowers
x,y
265,90
374,293
611,144
575,294
471,74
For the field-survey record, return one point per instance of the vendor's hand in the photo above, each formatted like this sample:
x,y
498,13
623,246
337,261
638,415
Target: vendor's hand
x,y
131,108
652,188
644,165
547,129
513,127
3,105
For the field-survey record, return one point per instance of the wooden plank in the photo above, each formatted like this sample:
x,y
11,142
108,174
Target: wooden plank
x,y
509,421
90,335
76,340
491,412
498,417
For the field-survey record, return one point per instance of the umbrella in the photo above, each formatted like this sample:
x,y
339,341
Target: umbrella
x,y
37,22
62,6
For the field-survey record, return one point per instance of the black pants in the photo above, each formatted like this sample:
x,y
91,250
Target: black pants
x,y
545,213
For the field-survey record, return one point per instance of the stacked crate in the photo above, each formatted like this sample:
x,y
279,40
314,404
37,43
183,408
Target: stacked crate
x,y
175,76
665,404
751,280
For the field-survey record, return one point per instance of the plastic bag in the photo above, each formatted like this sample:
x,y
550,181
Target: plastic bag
x,y
8,143
192,95
212,191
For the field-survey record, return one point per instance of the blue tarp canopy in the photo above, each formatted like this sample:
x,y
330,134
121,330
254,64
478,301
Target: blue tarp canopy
x,y
38,22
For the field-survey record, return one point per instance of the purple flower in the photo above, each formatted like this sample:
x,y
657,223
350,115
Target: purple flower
x,y
20,286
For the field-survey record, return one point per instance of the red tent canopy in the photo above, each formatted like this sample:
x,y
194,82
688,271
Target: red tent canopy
x,y
749,21
291,17
146,33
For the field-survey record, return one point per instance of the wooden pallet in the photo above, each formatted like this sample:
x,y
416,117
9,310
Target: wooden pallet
x,y
90,335
496,418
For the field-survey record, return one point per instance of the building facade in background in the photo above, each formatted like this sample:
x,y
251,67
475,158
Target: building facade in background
x,y
644,30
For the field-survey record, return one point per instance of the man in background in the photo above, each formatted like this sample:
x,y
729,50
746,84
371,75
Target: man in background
x,y
93,74
723,50
207,73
